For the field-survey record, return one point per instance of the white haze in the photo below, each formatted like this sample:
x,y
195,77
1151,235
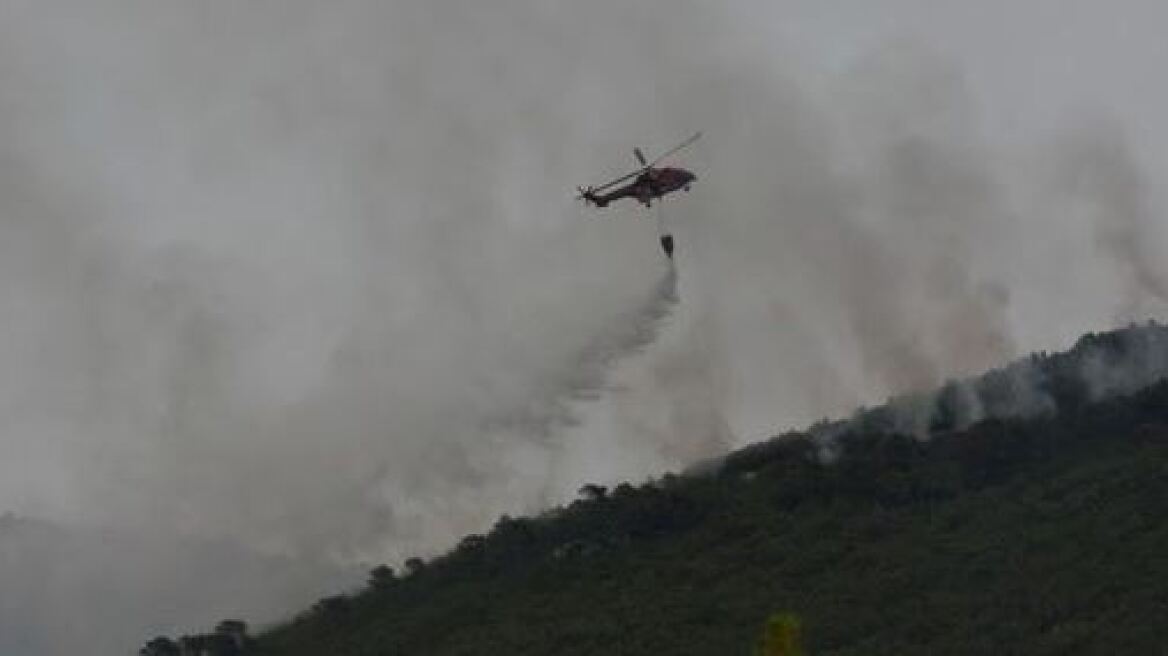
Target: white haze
x,y
309,276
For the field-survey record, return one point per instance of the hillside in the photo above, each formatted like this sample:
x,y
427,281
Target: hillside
x,y
1016,527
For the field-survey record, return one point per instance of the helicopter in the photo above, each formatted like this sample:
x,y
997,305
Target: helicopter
x,y
648,183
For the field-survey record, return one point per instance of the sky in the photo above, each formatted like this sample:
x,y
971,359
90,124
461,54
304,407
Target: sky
x,y
311,278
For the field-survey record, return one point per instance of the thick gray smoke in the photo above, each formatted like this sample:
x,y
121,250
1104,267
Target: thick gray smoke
x,y
1096,176
309,277
91,590
1098,367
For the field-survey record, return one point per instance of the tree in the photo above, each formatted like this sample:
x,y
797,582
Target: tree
x,y
233,633
332,606
473,543
160,646
593,492
382,577
197,645
415,565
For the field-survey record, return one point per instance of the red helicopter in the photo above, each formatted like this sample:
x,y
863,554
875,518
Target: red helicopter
x,y
647,183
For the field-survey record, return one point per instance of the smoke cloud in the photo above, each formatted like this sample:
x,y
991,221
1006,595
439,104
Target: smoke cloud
x,y
1096,176
310,278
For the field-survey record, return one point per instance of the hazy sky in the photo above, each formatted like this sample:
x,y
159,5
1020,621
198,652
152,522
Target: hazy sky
x,y
310,276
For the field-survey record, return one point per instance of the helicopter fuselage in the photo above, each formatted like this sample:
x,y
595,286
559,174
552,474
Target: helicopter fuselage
x,y
653,183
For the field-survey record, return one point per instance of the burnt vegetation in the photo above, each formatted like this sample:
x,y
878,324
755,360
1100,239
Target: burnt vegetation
x,y
1033,527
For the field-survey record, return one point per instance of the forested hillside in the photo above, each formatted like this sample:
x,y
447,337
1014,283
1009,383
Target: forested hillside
x,y
960,522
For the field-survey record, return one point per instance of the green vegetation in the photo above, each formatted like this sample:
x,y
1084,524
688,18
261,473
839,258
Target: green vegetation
x,y
1037,534
230,638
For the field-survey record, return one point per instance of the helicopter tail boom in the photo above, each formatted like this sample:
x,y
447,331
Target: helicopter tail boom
x,y
590,196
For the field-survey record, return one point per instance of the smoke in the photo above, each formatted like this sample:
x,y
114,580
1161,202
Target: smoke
x,y
310,278
1125,364
70,590
934,202
1096,176
1098,367
293,279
